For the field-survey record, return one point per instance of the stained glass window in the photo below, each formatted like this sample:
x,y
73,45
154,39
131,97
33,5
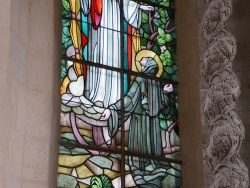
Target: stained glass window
x,y
119,110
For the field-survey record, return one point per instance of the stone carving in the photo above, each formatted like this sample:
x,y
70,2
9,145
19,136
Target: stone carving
x,y
227,130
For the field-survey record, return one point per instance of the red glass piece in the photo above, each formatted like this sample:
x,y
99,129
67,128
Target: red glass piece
x,y
96,13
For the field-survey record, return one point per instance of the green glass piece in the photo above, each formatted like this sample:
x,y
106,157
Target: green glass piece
x,y
101,161
66,181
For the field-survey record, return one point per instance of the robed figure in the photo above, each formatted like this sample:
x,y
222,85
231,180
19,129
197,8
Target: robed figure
x,y
103,87
104,45
144,101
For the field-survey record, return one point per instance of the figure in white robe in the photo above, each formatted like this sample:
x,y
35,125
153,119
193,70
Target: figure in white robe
x,y
103,87
104,46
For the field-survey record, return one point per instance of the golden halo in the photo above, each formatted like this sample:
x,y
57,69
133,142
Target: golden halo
x,y
148,53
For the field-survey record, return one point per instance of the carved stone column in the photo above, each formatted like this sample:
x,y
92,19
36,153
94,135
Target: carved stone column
x,y
227,130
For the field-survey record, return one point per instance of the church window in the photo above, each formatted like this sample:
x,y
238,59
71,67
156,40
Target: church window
x,y
119,109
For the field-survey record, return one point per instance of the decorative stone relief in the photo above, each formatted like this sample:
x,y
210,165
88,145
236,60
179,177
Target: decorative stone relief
x,y
227,130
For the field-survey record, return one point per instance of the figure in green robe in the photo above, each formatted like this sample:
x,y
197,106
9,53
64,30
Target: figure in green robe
x,y
144,101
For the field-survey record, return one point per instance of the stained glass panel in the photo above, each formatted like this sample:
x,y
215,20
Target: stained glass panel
x,y
79,115
119,109
155,173
78,168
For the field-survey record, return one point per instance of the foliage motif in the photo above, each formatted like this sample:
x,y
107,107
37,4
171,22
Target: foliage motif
x,y
158,34
100,182
227,130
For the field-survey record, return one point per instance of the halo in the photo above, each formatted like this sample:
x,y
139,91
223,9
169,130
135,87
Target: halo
x,y
148,53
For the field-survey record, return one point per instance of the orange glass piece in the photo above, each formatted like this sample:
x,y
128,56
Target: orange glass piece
x,y
96,13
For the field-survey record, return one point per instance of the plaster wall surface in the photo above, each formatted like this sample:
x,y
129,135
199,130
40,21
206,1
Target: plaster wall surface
x,y
4,54
30,110
240,27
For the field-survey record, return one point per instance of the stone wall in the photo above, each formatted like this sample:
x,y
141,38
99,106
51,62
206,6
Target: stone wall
x,y
240,27
30,34
4,54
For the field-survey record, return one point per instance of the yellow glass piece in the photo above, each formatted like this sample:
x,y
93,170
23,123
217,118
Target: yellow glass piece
x,y
64,85
75,35
136,40
75,5
72,161
64,170
115,165
119,147
78,67
74,27
111,174
83,172
82,185
136,47
83,132
65,129
86,132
